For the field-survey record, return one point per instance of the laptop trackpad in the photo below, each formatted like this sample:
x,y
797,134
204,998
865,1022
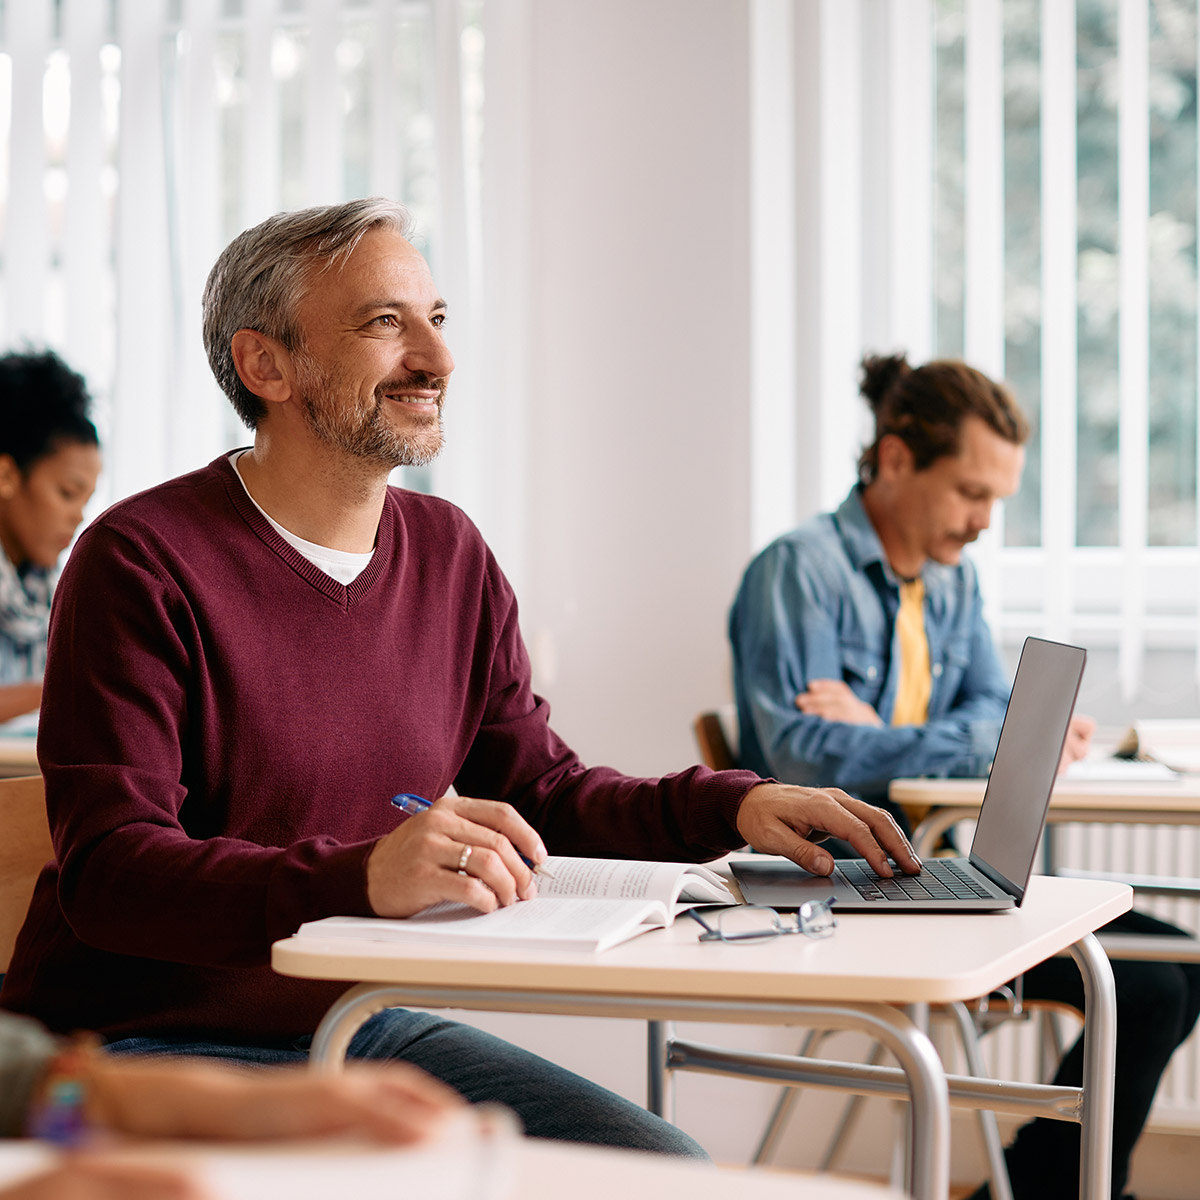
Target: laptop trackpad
x,y
780,884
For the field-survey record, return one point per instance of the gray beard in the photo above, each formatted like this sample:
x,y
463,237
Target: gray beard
x,y
371,439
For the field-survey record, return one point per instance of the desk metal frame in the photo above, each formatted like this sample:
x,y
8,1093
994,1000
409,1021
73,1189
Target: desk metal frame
x,y
1145,947
920,1074
945,816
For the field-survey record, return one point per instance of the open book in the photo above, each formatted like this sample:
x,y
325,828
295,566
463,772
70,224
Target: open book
x,y
590,904
1173,743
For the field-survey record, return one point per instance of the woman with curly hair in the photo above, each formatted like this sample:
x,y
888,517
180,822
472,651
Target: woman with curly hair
x,y
49,464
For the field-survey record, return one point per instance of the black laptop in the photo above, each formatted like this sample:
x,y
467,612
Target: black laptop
x,y
1008,830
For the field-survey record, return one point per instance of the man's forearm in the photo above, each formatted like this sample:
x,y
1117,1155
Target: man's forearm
x,y
863,759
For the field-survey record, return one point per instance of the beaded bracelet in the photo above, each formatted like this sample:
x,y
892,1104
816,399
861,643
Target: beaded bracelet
x,y
58,1109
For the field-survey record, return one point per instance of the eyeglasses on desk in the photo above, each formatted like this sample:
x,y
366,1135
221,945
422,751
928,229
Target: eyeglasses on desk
x,y
746,923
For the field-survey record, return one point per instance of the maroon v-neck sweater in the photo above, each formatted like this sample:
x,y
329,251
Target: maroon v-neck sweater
x,y
224,725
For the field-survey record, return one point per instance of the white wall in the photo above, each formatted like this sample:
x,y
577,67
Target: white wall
x,y
637,410
617,196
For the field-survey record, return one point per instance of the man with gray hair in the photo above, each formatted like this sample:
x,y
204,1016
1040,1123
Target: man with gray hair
x,y
248,662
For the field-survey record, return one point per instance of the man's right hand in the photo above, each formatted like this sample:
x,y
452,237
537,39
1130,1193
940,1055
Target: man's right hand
x,y
833,700
780,819
418,863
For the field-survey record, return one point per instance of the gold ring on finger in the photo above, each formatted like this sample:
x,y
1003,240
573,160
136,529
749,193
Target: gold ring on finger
x,y
463,859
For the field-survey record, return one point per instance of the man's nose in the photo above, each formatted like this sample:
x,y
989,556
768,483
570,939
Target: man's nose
x,y
428,352
981,518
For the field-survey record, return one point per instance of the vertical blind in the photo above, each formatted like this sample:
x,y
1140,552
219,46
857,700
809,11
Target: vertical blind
x,y
138,136
1096,550
1015,182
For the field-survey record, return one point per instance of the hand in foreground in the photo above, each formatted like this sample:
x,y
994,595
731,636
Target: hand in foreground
x,y
184,1098
418,863
832,700
1079,741
89,1177
779,819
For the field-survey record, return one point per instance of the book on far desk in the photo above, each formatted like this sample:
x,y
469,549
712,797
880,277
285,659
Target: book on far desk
x,y
589,905
1175,743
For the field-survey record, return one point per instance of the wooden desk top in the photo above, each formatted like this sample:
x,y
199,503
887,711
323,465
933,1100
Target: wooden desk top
x,y
1178,796
893,958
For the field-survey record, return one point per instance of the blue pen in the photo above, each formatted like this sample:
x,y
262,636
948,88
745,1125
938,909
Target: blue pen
x,y
413,804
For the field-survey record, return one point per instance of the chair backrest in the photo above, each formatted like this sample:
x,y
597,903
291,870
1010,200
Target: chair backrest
x,y
713,740
25,848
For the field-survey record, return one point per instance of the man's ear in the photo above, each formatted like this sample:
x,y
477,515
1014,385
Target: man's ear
x,y
10,477
263,364
894,457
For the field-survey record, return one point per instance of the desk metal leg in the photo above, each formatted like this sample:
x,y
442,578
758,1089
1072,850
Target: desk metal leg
x,y
1001,1186
921,1077
345,1017
846,1121
787,1101
1099,1068
929,832
660,1085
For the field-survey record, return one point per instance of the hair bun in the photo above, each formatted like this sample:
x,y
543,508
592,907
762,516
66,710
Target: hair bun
x,y
880,372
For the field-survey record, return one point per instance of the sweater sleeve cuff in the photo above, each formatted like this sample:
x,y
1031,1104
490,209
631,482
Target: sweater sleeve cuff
x,y
328,881
25,1050
720,796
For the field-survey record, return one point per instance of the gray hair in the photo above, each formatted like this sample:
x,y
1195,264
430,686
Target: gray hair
x,y
262,276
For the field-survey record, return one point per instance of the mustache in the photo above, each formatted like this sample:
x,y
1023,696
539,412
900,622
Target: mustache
x,y
415,379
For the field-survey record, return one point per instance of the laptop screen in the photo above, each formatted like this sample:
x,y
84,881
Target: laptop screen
x,y
1026,762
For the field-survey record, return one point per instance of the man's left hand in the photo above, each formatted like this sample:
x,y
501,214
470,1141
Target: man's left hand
x,y
777,818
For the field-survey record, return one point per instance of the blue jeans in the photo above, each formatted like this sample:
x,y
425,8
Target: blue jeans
x,y
551,1102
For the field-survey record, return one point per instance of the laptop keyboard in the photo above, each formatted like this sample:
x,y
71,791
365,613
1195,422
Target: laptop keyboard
x,y
940,879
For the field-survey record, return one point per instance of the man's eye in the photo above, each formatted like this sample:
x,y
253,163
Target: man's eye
x,y
438,320
385,319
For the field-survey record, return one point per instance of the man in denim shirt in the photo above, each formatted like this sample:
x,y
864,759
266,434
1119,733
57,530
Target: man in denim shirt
x,y
861,654
815,619
817,661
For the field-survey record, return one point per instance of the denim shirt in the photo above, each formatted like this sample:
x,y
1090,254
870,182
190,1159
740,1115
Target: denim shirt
x,y
821,603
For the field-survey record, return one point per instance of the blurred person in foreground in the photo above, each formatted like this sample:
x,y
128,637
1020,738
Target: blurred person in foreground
x,y
73,1094
49,464
861,655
